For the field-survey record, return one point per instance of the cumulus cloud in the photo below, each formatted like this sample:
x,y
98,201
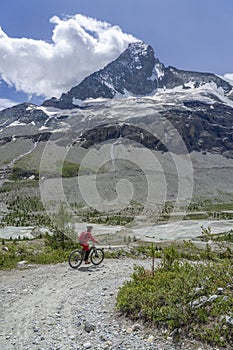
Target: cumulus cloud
x,y
79,46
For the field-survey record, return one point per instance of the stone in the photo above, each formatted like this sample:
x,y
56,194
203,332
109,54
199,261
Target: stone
x,y
136,327
88,327
21,263
108,343
150,339
199,302
229,320
220,290
212,298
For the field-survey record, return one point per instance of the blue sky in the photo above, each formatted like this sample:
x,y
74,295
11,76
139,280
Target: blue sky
x,y
188,34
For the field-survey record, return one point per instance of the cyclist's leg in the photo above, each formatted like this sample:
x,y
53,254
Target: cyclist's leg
x,y
87,252
83,250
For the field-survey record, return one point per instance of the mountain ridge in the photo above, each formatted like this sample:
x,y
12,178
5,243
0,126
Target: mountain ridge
x,y
136,72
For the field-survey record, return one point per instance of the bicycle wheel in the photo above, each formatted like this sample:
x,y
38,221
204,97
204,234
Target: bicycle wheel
x,y
75,259
97,256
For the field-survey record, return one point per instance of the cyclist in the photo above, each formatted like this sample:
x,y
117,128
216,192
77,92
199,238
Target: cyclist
x,y
84,237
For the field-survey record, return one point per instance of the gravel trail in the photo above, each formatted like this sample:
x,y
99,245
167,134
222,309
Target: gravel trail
x,y
53,307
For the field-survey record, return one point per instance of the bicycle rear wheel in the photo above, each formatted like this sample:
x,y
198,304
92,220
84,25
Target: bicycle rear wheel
x,y
75,259
97,256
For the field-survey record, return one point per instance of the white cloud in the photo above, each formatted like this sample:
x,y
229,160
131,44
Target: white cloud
x,y
5,103
80,45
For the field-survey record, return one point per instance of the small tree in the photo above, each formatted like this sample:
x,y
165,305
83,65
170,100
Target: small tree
x,y
62,229
170,255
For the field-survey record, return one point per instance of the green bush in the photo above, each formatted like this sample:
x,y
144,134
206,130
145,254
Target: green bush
x,y
177,296
49,256
38,253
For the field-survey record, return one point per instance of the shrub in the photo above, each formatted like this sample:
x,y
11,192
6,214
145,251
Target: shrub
x,y
179,297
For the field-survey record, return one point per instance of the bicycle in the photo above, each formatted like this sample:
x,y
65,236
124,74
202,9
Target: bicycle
x,y
76,257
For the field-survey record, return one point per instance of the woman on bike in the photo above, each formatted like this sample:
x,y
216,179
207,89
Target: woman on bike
x,y
84,237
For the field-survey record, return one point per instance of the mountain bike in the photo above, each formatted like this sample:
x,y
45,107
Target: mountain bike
x,y
76,257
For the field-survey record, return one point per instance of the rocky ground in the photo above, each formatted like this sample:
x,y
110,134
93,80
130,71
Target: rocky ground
x,y
53,307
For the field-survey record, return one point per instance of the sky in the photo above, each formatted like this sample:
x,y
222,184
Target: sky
x,y
47,47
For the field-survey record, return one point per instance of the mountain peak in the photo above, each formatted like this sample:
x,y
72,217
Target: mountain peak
x,y
136,72
138,49
132,73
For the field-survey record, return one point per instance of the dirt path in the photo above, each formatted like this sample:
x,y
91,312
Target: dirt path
x,y
48,306
55,307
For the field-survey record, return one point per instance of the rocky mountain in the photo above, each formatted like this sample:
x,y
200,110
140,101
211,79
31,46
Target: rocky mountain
x,y
134,101
199,105
136,72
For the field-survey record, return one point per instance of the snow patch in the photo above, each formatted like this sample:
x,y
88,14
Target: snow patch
x,y
16,123
228,77
43,128
30,108
159,71
78,102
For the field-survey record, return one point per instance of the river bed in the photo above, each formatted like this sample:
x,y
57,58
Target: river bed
x,y
175,230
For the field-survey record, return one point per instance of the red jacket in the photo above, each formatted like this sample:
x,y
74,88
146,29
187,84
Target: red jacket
x,y
85,236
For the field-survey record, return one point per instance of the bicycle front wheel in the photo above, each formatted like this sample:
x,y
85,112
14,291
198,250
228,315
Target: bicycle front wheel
x,y
97,256
75,259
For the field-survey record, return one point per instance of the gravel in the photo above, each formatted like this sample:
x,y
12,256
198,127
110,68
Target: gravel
x,y
54,307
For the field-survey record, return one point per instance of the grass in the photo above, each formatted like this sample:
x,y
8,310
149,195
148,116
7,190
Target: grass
x,y
46,250
70,169
187,299
9,260
11,186
66,169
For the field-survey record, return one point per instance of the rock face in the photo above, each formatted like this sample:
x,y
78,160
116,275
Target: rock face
x,y
107,132
173,77
24,113
202,127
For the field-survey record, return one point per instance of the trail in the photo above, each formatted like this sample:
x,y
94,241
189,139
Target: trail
x,y
55,307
